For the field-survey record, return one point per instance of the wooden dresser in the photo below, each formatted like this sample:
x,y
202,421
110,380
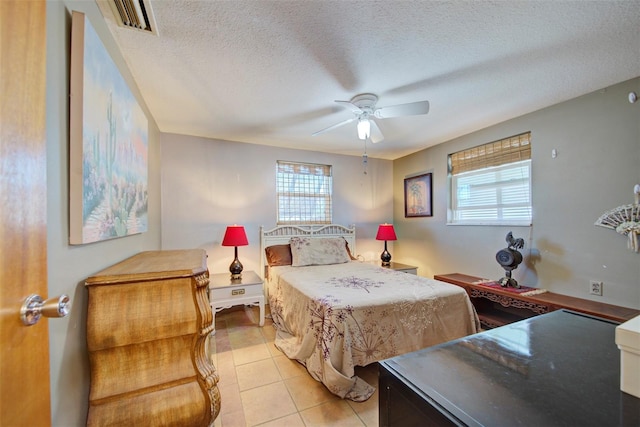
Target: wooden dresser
x,y
148,319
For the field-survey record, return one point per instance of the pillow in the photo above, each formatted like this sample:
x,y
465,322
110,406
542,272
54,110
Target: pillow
x,y
318,251
278,255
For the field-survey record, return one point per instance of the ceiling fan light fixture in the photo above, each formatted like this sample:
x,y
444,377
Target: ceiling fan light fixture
x,y
364,110
364,128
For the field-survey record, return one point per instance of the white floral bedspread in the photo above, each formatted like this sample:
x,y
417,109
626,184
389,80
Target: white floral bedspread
x,y
340,316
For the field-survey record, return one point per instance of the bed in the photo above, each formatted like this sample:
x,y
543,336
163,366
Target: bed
x,y
333,312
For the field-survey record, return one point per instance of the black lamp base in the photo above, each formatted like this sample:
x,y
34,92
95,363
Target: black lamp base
x,y
236,268
385,256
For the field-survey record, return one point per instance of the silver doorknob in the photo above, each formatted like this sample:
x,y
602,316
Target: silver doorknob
x,y
34,307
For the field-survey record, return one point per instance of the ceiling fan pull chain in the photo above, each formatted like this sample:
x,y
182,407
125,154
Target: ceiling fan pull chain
x,y
365,157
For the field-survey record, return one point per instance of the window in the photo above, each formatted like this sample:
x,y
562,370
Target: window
x,y
304,193
491,183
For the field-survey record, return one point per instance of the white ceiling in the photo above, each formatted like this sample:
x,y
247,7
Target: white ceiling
x,y
268,72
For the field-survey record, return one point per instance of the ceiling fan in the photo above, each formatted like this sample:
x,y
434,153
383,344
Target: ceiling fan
x,y
364,108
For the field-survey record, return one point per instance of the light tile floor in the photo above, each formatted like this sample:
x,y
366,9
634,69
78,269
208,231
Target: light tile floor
x,y
259,386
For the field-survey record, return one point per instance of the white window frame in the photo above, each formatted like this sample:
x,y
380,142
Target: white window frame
x,y
499,194
303,193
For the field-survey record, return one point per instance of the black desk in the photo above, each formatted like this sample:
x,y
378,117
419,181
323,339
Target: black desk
x,y
557,369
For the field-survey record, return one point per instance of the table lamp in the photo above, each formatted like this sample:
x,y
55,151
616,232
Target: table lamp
x,y
235,236
386,232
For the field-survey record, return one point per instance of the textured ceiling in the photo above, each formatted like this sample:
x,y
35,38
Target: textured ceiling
x,y
268,72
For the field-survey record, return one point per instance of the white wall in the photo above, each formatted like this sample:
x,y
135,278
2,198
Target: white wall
x,y
597,138
209,184
68,266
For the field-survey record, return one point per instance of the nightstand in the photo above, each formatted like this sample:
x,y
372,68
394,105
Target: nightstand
x,y
402,267
226,293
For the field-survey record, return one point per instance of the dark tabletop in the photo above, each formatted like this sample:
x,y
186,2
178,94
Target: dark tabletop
x,y
558,369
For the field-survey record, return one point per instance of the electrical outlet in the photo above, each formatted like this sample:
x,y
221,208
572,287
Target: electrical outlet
x,y
595,287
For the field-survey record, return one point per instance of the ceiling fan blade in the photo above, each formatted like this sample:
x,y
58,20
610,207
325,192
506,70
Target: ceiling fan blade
x,y
410,109
337,125
376,133
351,106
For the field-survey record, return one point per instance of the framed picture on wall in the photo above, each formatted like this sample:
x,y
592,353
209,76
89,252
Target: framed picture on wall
x,y
418,199
108,144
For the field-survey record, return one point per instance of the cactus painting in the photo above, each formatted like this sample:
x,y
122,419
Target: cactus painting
x,y
109,145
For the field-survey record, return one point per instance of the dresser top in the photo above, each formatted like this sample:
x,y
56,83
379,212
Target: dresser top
x,y
561,368
151,265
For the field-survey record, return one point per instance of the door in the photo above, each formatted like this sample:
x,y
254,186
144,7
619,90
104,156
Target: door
x,y
24,350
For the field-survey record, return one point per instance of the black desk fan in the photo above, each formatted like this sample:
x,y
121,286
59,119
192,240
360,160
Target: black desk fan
x,y
509,258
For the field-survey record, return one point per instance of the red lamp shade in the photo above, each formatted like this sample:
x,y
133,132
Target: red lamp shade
x,y
386,232
235,236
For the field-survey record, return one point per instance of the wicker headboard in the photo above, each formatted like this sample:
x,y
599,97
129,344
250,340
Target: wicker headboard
x,y
282,233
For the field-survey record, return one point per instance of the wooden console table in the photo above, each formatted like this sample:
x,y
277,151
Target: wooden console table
x,y
148,318
497,307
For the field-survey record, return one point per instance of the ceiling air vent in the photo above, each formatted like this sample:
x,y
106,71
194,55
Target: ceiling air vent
x,y
134,14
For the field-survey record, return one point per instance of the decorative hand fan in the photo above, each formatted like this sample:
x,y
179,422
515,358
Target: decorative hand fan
x,y
625,220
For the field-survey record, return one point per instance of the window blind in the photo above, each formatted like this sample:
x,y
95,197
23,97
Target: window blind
x,y
496,153
491,183
303,193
